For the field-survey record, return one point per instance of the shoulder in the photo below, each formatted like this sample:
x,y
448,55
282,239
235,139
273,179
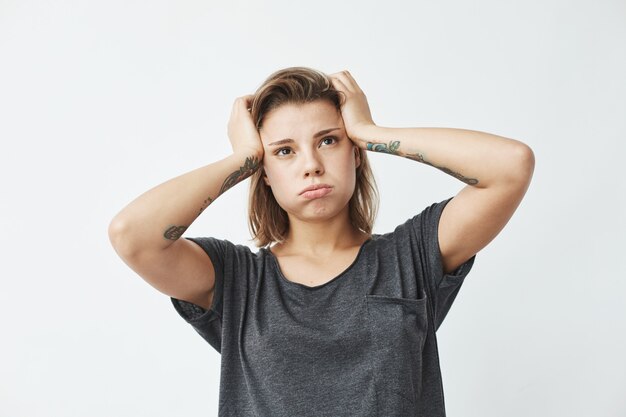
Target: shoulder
x,y
224,248
419,229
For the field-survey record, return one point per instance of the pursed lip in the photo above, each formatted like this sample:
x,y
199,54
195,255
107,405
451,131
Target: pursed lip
x,y
315,187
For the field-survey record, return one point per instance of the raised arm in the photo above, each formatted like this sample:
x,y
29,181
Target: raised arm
x,y
497,171
157,218
476,158
146,233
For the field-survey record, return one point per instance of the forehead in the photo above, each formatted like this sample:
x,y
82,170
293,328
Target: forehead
x,y
299,120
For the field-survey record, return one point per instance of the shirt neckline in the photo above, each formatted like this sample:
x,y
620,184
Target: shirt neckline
x,y
284,279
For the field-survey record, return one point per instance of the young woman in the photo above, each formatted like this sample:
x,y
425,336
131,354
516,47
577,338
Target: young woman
x,y
326,318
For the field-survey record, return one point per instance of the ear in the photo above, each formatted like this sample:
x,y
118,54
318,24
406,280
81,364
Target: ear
x,y
267,182
357,156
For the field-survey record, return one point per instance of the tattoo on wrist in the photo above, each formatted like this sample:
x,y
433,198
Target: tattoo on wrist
x,y
391,148
174,232
394,148
249,166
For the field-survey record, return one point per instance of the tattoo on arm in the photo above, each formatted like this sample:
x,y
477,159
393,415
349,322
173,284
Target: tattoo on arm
x,y
250,165
457,175
381,147
206,203
393,148
174,232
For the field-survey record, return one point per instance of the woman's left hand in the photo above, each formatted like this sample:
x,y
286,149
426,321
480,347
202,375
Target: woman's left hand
x,y
355,111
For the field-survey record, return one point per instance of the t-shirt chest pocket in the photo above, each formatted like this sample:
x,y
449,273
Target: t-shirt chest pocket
x,y
398,329
397,319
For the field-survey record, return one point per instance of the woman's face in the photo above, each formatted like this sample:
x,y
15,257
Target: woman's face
x,y
297,157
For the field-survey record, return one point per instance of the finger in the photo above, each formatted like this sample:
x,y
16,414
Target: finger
x,y
249,99
340,83
243,102
351,81
347,81
333,78
341,86
336,83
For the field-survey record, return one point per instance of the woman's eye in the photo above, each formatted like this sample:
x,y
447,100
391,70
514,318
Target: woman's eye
x,y
332,138
278,152
329,140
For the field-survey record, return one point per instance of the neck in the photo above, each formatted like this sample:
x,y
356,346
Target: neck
x,y
323,237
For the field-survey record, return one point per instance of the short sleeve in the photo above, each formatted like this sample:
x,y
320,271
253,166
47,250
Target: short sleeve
x,y
442,288
208,323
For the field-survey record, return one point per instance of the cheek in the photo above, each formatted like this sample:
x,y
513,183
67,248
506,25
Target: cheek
x,y
349,162
350,170
268,172
276,180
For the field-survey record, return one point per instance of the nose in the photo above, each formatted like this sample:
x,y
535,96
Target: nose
x,y
312,165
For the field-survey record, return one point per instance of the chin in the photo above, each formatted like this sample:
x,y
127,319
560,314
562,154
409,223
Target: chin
x,y
319,211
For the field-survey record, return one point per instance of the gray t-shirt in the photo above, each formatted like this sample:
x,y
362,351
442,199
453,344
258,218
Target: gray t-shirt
x,y
362,344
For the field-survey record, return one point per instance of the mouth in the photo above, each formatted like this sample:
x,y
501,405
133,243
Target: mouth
x,y
316,191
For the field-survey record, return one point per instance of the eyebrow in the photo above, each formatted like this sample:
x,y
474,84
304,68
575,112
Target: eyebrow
x,y
289,140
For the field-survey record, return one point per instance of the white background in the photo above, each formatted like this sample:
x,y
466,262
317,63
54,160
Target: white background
x,y
103,100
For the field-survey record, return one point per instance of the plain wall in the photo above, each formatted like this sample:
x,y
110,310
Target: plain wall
x,y
101,101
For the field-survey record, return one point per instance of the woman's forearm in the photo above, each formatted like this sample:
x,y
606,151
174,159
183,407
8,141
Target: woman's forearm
x,y
158,217
476,158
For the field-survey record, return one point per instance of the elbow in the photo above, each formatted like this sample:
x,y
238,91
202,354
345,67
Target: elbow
x,y
118,236
527,159
524,165
116,228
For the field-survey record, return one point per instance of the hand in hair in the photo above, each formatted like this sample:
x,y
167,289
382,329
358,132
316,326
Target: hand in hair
x,y
355,110
243,134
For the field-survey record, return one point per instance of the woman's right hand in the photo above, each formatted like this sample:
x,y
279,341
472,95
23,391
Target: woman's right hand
x,y
242,132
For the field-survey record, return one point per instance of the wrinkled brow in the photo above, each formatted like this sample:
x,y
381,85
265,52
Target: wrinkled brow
x,y
289,140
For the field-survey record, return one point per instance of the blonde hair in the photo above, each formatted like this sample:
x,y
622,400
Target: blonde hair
x,y
267,221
